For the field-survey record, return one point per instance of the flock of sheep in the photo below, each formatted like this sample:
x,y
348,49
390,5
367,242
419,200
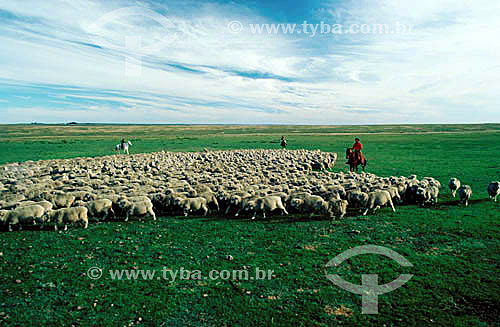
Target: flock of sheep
x,y
59,193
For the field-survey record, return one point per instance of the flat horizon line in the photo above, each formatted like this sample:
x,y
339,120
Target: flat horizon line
x,y
248,124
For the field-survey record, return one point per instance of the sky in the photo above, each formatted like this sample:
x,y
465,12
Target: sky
x,y
202,62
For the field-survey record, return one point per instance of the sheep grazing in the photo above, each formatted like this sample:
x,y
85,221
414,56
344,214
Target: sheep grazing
x,y
24,216
211,199
337,208
465,193
494,190
265,204
137,209
357,199
454,185
310,203
427,195
67,216
378,199
192,205
102,209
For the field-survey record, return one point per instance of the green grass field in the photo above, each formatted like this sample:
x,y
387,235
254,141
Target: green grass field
x,y
455,251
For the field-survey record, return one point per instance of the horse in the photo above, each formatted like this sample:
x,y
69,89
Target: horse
x,y
119,147
283,142
353,161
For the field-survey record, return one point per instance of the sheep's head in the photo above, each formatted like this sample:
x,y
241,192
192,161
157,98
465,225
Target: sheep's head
x,y
296,203
249,206
3,215
420,192
221,195
124,203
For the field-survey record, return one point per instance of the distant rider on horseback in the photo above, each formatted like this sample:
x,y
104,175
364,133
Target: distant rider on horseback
x,y
357,147
283,142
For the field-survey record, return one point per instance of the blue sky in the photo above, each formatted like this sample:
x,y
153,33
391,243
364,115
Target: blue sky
x,y
73,60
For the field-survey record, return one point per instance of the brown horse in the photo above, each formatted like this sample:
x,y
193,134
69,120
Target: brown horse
x,y
354,161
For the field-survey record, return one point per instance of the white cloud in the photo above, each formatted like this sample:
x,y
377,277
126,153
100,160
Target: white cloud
x,y
448,63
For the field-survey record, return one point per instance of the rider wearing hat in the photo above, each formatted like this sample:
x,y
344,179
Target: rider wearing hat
x,y
357,147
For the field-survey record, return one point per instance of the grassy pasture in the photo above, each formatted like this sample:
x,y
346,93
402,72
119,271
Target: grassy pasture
x,y
455,251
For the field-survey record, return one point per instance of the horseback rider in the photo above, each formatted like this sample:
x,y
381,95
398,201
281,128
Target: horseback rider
x,y
283,142
122,143
357,147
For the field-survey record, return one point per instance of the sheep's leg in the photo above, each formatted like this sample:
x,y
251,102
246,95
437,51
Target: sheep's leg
x,y
284,210
152,213
264,213
392,206
65,227
55,227
205,211
10,227
254,214
227,210
237,213
366,212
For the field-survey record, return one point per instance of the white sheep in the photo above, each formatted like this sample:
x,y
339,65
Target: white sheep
x,y
137,209
265,204
102,208
378,199
465,193
23,216
310,203
192,205
494,190
66,216
337,208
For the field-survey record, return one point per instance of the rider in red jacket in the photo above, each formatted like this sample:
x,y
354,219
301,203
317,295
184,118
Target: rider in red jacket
x,y
357,147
